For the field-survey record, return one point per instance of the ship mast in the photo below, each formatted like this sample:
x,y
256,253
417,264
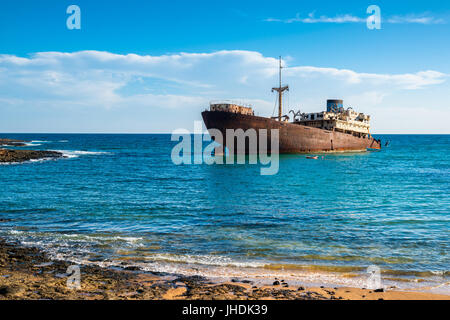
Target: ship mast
x,y
280,91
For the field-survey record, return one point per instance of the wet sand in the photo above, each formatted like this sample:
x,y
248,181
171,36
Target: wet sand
x,y
27,273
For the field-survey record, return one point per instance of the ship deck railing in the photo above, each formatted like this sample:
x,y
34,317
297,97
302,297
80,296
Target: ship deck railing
x,y
233,102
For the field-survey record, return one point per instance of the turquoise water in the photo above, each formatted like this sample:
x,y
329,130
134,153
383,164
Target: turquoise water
x,y
119,198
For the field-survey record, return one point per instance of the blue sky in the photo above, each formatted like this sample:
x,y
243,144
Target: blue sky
x,y
152,66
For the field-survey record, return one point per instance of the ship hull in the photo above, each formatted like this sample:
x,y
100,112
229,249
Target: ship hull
x,y
293,138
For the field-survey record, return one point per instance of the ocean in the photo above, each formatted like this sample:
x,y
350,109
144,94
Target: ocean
x,y
118,200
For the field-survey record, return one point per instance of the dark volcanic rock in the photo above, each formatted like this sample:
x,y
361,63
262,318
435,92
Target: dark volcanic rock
x,y
32,275
7,155
132,268
12,143
9,290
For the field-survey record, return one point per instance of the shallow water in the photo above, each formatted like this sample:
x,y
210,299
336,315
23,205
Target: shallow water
x,y
119,199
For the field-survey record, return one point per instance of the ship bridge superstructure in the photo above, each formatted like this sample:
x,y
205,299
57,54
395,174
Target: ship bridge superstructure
x,y
337,118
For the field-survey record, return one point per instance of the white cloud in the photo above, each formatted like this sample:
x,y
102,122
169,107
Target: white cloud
x,y
346,18
403,81
412,18
349,18
97,78
179,86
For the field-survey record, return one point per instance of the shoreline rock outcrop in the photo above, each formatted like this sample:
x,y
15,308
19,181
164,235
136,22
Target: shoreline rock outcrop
x,y
12,156
12,143
27,273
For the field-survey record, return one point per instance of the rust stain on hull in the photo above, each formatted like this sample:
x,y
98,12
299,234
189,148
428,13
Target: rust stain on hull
x,y
294,138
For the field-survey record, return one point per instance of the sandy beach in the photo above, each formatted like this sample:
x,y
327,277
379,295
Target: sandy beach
x,y
27,273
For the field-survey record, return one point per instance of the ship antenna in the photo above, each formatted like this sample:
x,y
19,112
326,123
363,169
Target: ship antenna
x,y
281,67
280,91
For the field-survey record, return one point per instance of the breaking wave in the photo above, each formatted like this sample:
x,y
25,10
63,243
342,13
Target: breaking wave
x,y
76,153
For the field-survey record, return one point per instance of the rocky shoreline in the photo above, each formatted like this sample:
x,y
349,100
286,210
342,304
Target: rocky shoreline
x,y
17,156
27,273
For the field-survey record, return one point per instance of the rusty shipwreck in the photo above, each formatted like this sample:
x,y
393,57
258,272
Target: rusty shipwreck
x,y
334,130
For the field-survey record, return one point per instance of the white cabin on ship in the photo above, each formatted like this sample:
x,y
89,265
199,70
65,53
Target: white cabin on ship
x,y
336,118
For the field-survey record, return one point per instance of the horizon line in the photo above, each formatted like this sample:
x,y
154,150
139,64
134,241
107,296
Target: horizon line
x,y
190,132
